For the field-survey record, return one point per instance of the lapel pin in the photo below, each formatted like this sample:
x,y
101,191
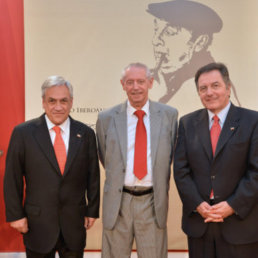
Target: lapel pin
x,y
78,135
232,128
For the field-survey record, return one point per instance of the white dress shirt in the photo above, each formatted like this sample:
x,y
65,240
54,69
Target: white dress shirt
x,y
222,115
65,131
130,178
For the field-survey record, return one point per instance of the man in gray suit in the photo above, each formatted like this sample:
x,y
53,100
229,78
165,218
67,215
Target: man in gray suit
x,y
135,201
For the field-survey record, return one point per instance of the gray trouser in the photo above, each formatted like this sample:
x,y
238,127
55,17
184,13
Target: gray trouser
x,y
136,220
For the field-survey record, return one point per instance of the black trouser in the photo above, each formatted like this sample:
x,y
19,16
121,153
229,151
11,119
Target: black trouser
x,y
60,247
213,245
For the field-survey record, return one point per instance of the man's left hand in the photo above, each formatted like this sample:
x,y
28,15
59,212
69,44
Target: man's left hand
x,y
223,209
88,222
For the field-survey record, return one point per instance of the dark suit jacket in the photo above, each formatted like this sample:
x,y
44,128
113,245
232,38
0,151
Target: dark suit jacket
x,y
232,173
52,202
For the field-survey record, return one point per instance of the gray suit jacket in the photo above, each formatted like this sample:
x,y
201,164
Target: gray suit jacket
x,y
112,143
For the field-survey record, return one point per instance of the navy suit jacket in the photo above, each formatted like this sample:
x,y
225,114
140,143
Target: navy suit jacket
x,y
53,202
232,173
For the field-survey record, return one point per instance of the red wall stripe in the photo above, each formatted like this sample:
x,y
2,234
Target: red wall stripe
x,y
12,100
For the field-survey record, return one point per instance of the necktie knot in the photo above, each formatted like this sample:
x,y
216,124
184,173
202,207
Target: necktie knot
x,y
139,113
57,129
215,119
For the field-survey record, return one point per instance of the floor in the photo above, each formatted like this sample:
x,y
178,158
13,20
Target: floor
x,y
91,255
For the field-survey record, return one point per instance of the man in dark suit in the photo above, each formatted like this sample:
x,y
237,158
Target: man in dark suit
x,y
216,171
135,201
56,156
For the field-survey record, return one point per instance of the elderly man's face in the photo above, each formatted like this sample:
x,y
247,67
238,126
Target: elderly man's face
x,y
57,103
137,85
213,91
172,46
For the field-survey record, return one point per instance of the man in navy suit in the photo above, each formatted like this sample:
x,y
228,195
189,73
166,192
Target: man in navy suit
x,y
53,214
218,183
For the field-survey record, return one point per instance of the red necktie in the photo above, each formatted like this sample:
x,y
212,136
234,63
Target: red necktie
x,y
59,148
214,133
140,148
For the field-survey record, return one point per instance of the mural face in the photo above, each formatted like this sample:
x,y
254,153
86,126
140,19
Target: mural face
x,y
172,46
183,32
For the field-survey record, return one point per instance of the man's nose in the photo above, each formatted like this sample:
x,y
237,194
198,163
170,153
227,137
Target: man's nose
x,y
135,85
58,106
209,91
157,39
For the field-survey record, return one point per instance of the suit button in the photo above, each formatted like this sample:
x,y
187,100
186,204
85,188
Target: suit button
x,y
212,177
123,170
120,190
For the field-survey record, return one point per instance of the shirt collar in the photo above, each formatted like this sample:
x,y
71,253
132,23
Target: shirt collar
x,y
222,115
131,109
64,126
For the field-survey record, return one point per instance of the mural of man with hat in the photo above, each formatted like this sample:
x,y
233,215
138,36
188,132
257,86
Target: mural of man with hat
x,y
183,32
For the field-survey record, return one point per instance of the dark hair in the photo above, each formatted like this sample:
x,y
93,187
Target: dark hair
x,y
210,67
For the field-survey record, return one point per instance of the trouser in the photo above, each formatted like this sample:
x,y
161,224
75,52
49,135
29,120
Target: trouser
x,y
136,220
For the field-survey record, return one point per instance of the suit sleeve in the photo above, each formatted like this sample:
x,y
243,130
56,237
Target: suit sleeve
x,y
182,174
13,178
174,134
93,182
246,194
101,140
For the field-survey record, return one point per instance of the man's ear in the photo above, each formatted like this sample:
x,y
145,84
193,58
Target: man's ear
x,y
201,42
123,84
151,82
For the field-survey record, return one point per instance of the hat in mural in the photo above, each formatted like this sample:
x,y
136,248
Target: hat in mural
x,y
188,14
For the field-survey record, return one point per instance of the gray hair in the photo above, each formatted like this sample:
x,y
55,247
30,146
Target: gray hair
x,y
136,65
56,80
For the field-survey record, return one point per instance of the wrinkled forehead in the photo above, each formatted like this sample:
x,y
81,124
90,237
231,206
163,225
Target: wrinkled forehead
x,y
162,25
135,73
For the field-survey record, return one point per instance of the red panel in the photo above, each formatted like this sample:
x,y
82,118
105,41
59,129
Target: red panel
x,y
11,98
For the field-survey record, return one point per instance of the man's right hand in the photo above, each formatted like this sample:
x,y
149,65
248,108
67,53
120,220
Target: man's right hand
x,y
20,225
204,209
206,212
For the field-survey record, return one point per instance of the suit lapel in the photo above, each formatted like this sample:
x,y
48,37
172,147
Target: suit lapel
x,y
43,138
121,129
229,128
202,129
155,126
74,143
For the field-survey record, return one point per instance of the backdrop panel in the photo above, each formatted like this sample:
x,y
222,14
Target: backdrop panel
x,y
89,42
